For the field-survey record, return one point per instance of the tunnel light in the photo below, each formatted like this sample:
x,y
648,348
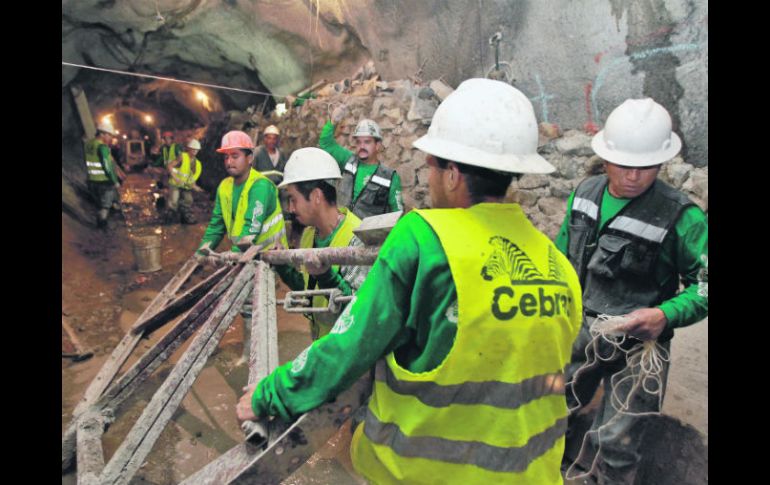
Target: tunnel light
x,y
280,109
203,98
117,132
148,118
125,137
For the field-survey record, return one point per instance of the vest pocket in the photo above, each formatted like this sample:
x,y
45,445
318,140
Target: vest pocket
x,y
638,259
607,259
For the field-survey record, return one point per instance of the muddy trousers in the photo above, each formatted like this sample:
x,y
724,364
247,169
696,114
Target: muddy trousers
x,y
620,435
105,194
181,200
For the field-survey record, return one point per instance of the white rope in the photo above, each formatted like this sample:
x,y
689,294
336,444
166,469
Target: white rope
x,y
151,76
645,366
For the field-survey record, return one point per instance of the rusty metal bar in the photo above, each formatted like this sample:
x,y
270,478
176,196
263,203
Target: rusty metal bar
x,y
120,354
350,255
140,440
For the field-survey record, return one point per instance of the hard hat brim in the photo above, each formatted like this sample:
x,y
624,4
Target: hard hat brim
x,y
509,163
630,159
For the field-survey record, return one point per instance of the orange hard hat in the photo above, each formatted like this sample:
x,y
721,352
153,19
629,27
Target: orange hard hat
x,y
234,140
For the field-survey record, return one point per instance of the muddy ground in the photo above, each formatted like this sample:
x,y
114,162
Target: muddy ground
x,y
103,294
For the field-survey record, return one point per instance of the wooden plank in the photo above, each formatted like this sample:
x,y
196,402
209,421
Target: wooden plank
x,y
119,355
139,441
162,350
90,454
290,445
128,343
179,304
263,353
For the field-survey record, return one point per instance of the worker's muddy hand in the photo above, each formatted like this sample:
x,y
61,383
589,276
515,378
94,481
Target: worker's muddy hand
x,y
645,323
243,409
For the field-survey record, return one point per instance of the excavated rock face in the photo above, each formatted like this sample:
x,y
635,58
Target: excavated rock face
x,y
576,61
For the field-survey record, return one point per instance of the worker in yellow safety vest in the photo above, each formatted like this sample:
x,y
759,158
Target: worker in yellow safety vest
x,y
310,179
103,178
467,315
182,178
246,207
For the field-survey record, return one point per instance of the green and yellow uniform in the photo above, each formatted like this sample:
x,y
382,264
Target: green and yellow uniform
x,y
249,209
477,322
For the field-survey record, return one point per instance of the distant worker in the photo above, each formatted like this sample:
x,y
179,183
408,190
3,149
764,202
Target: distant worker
x,y
164,154
469,313
246,207
632,238
102,175
269,159
367,187
182,178
310,178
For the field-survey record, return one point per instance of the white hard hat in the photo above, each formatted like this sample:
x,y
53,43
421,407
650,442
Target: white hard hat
x,y
368,127
106,127
637,134
272,130
194,144
309,164
487,124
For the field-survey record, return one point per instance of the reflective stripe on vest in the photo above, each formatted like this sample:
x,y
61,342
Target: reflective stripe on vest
x,y
639,228
492,458
94,167
322,323
586,207
494,411
272,231
380,181
184,174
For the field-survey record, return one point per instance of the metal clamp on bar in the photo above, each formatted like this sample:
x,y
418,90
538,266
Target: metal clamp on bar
x,y
300,301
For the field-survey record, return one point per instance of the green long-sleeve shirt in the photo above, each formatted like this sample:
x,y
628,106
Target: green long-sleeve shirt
x,y
685,248
262,195
402,306
365,171
105,156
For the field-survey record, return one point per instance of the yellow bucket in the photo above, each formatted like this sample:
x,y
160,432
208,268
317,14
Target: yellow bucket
x,y
147,253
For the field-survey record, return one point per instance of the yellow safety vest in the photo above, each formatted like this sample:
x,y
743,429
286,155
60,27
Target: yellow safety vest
x,y
94,165
169,153
322,323
184,174
494,411
273,229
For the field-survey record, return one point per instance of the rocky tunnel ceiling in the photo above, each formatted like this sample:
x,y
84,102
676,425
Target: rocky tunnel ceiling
x,y
576,61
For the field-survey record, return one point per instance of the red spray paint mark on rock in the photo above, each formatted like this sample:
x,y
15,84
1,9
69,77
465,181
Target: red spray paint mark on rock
x,y
589,126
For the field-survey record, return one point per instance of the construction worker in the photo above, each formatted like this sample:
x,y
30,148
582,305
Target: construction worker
x,y
367,187
102,176
182,178
631,237
164,154
168,150
309,183
269,159
469,313
246,208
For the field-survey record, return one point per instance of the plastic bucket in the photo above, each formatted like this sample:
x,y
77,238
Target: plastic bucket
x,y
147,253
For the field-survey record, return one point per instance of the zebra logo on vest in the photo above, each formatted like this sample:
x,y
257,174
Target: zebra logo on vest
x,y
510,261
